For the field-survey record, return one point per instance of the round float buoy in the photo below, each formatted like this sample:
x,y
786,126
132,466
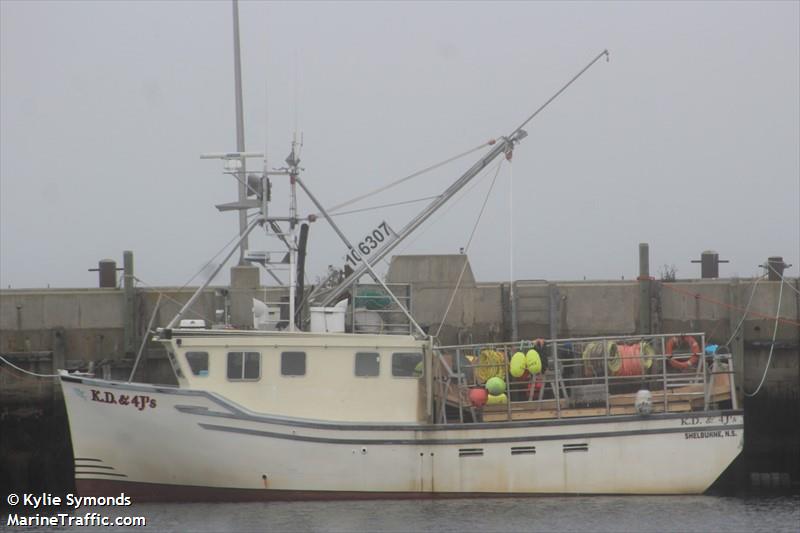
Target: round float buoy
x,y
478,397
643,402
497,399
495,386
533,362
517,366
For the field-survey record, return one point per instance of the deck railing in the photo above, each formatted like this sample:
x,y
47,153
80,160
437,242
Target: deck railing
x,y
596,376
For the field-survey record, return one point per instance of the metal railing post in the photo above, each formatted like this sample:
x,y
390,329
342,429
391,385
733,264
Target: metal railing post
x,y
605,376
557,391
664,372
706,381
508,383
732,382
460,386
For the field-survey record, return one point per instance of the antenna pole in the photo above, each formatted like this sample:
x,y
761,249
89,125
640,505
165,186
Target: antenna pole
x,y
293,172
237,71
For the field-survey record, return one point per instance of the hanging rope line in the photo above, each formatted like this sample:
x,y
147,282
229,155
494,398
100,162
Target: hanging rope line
x,y
511,296
406,178
744,315
34,374
772,346
466,249
770,267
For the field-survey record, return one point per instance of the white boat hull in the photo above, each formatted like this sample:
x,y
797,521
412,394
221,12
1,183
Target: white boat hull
x,y
166,443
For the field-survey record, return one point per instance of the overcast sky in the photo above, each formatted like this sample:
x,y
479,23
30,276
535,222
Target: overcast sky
x,y
688,139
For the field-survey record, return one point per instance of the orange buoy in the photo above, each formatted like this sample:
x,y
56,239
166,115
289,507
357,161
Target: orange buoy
x,y
682,364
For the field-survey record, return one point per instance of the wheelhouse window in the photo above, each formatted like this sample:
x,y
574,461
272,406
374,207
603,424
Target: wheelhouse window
x,y
293,363
244,366
198,363
368,364
407,365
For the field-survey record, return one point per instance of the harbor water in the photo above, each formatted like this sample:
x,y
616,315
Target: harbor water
x,y
576,513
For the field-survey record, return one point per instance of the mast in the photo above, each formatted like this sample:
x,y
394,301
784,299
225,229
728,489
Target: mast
x,y
293,160
242,173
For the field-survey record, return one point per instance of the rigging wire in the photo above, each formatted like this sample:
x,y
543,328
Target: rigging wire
x,y
145,338
772,346
562,89
388,186
461,195
352,211
466,249
173,300
202,268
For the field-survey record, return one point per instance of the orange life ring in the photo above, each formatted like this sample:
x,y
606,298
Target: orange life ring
x,y
678,363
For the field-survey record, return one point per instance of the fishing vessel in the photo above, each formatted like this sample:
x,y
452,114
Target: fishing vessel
x,y
310,408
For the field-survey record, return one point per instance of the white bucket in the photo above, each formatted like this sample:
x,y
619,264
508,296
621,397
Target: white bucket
x,y
328,319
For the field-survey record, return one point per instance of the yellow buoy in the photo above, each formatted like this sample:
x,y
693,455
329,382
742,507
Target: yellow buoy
x,y
517,365
533,362
496,399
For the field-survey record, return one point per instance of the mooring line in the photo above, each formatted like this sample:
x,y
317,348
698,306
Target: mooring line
x,y
771,347
12,365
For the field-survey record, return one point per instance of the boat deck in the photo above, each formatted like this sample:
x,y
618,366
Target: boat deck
x,y
583,378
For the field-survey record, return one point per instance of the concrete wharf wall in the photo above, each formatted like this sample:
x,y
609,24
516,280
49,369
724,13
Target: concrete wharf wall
x,y
89,324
